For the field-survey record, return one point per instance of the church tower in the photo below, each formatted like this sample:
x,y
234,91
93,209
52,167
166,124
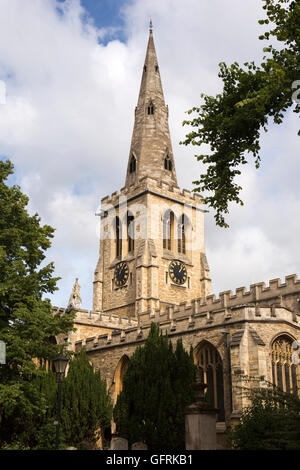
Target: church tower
x,y
152,248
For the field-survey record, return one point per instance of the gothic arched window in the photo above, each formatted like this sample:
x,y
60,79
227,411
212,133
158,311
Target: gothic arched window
x,y
130,232
210,367
284,372
181,233
168,230
168,163
118,233
150,108
132,165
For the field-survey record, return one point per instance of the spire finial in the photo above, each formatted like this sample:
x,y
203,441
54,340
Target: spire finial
x,y
150,25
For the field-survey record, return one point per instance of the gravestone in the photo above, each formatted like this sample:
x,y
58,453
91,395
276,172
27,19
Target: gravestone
x,y
139,446
118,443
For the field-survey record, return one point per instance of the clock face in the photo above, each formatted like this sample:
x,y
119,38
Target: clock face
x,y
121,274
177,271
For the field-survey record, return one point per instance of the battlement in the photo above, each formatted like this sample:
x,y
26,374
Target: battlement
x,y
276,292
115,337
174,324
90,317
155,186
260,303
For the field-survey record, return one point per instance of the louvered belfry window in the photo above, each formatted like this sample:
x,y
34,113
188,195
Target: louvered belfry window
x,y
168,163
181,229
118,232
168,230
130,232
132,165
151,108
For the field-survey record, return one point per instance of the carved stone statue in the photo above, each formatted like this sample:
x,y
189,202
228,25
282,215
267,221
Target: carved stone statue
x,y
75,299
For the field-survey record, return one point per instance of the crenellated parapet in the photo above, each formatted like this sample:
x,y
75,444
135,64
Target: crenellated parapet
x,y
174,324
258,304
100,319
276,294
153,186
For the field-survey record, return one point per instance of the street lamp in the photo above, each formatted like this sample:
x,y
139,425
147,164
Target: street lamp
x,y
60,364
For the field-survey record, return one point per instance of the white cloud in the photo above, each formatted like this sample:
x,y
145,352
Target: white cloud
x,y
68,119
245,255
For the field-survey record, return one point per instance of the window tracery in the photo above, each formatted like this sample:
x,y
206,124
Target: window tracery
x,y
210,369
284,373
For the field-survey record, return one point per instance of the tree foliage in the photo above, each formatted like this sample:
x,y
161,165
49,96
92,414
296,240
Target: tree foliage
x,y
156,389
86,410
86,404
232,121
41,431
271,422
27,324
26,410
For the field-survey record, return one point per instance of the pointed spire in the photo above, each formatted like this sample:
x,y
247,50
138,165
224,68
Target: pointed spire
x,y
151,87
151,149
75,299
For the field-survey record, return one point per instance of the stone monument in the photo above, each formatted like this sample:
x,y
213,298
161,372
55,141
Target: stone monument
x,y
200,421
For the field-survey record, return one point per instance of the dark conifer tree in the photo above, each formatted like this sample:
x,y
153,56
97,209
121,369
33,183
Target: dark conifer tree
x,y
156,390
86,404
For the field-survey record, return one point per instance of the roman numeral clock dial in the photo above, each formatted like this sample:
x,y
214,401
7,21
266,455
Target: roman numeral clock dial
x,y
121,274
177,271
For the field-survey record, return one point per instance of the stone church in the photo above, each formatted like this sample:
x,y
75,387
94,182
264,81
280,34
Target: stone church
x,y
152,267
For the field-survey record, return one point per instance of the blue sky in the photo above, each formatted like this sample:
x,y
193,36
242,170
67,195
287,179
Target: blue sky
x,y
72,87
107,14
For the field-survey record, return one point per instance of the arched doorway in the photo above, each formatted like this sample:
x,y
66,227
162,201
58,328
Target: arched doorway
x,y
210,367
119,376
117,384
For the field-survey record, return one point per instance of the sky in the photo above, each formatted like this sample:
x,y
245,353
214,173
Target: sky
x,y
72,72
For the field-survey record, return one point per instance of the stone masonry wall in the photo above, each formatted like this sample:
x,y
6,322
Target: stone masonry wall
x,y
252,319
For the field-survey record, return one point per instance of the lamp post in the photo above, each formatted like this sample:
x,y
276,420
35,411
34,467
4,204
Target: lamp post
x,y
2,352
60,364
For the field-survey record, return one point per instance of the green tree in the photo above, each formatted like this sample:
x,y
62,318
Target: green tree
x,y
231,122
86,404
271,422
41,431
27,323
156,390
